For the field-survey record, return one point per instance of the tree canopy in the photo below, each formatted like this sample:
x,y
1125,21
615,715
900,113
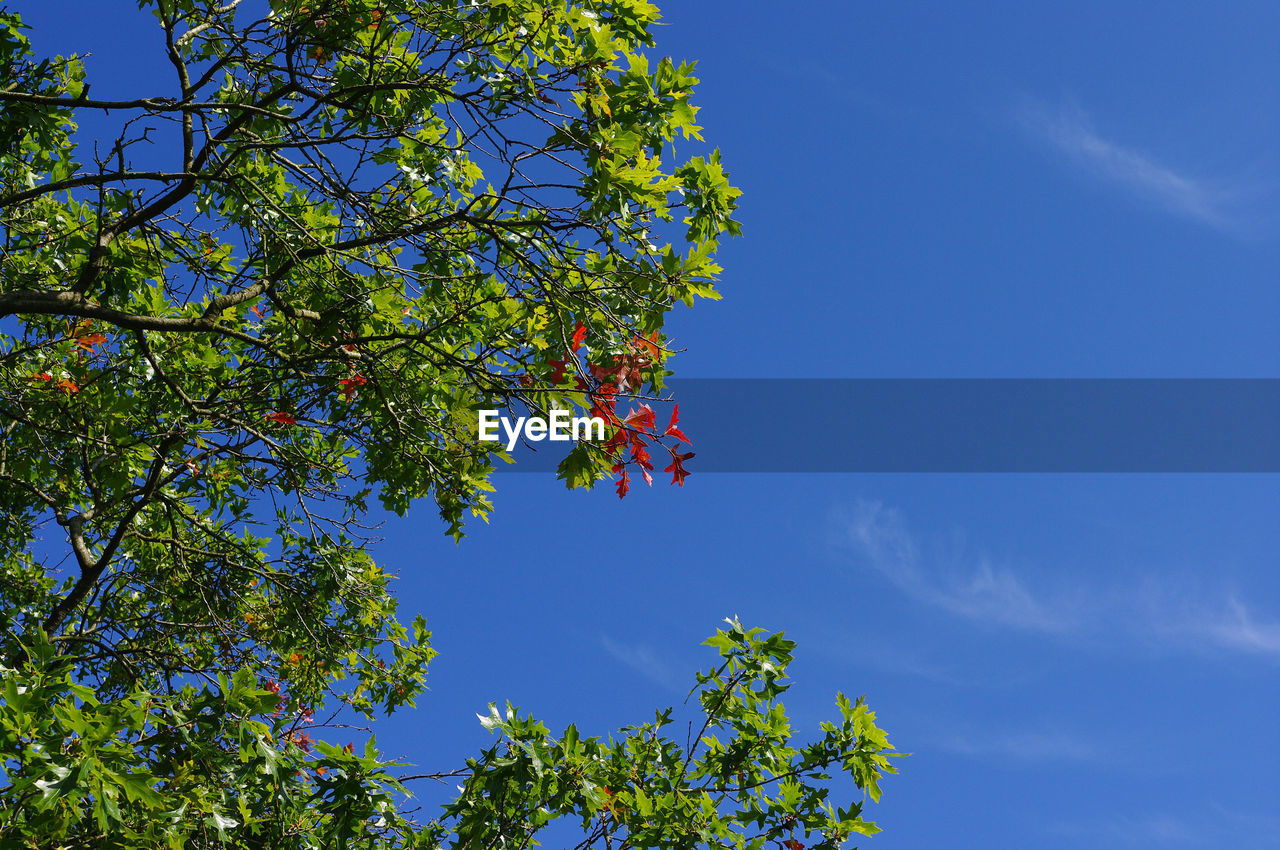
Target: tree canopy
x,y
237,306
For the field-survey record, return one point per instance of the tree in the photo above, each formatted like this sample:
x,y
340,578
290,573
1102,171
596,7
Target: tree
x,y
279,284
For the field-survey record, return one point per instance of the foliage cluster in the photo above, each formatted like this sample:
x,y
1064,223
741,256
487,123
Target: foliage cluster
x,y
236,307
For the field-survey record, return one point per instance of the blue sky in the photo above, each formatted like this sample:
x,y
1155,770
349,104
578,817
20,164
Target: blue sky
x,y
948,190
933,190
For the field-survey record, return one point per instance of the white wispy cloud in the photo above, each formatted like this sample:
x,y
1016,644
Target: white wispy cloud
x,y
1238,629
982,592
1145,831
1069,131
1215,826
643,660
1228,624
1024,746
1154,612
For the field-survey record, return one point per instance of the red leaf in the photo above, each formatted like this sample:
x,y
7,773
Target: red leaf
x,y
89,341
602,375
302,740
602,404
641,418
648,478
625,367
649,344
604,413
68,386
677,470
42,376
608,393
640,456
350,385
579,334
557,371
672,430
281,418
624,484
619,438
